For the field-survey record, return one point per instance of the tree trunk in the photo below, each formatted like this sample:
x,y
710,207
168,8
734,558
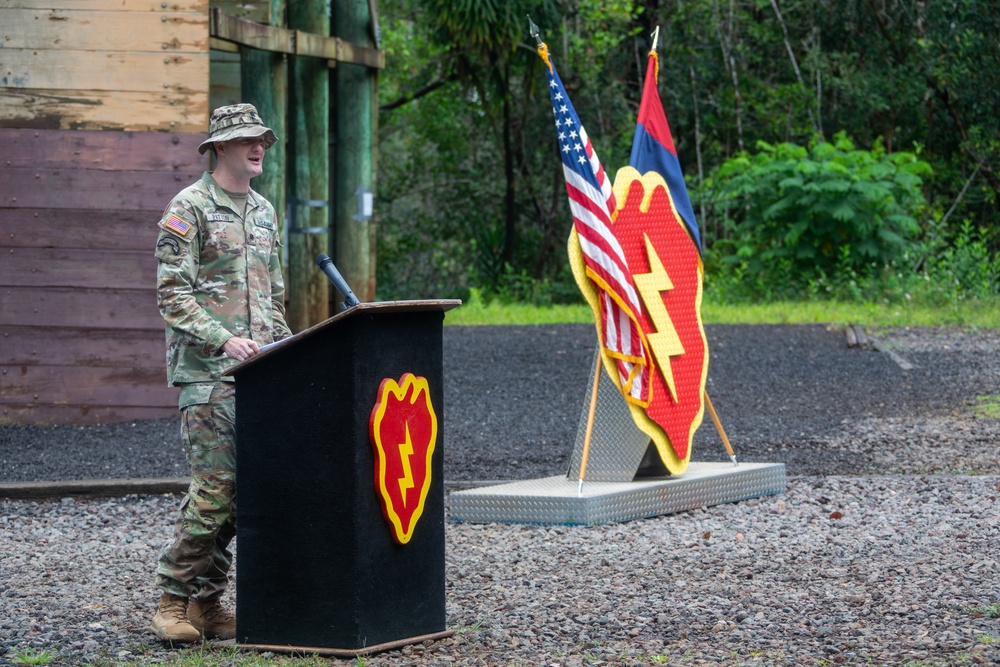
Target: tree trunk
x,y
510,228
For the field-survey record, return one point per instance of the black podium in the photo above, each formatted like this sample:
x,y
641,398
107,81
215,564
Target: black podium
x,y
318,564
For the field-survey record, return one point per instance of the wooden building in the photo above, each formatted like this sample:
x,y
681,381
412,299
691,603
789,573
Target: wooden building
x,y
102,106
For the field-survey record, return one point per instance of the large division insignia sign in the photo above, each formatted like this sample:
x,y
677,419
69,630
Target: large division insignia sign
x,y
403,432
652,240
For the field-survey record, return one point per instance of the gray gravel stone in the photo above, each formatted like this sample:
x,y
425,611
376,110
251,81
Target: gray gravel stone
x,y
883,550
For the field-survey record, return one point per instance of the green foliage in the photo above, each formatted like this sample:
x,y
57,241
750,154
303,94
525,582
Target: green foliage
x,y
987,610
988,406
470,192
450,160
793,217
30,656
962,267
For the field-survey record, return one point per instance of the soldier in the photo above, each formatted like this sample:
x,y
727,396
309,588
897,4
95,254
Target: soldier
x,y
220,290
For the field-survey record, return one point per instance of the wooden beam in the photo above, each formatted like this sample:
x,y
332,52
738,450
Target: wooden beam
x,y
68,30
230,28
355,117
155,6
108,151
80,307
119,71
75,267
90,188
106,348
217,44
75,228
84,385
185,112
309,168
81,414
92,488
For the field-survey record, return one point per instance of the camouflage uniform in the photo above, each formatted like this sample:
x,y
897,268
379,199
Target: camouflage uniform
x,y
217,277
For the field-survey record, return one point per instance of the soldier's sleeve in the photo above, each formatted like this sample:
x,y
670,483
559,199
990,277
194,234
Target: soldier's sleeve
x,y
178,248
281,329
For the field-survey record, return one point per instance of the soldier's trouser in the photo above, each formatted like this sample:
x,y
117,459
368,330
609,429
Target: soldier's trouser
x,y
196,563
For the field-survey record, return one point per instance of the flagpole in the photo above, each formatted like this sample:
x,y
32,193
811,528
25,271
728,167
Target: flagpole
x,y
590,425
533,31
722,432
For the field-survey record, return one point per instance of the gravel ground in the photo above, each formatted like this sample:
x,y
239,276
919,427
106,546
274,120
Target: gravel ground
x,y
883,550
795,394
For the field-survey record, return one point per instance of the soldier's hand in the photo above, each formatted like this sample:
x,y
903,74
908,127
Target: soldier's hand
x,y
240,348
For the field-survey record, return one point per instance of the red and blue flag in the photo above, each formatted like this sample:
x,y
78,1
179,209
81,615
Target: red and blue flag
x,y
653,148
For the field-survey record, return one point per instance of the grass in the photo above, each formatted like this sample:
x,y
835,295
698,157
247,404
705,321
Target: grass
x,y
987,610
985,314
988,406
30,656
228,656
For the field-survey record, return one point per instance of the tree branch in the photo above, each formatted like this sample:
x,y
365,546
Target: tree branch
x,y
426,90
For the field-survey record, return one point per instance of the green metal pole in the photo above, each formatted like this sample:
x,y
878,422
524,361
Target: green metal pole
x,y
264,83
355,119
309,160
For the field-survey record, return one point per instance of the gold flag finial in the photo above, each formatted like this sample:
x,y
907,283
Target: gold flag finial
x,y
656,57
542,49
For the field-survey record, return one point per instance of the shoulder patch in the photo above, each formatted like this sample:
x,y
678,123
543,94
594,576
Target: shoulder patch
x,y
169,242
176,224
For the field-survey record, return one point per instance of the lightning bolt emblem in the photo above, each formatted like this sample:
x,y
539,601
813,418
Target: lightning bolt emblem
x,y
405,452
665,342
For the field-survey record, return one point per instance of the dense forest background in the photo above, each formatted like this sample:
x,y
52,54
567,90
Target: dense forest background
x,y
833,148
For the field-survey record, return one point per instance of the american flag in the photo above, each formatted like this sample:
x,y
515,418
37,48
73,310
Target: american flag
x,y
592,202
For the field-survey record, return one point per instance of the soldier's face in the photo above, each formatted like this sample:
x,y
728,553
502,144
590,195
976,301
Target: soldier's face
x,y
245,155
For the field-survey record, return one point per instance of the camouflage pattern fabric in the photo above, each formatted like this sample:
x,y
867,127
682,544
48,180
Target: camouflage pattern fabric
x,y
217,276
196,563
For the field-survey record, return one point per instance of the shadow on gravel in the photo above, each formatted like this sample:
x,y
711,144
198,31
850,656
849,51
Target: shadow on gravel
x,y
514,395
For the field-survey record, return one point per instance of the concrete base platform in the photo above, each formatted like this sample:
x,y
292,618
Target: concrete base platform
x,y
555,500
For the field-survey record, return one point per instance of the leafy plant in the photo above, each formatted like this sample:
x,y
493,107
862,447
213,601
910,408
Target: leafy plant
x,y
794,214
962,267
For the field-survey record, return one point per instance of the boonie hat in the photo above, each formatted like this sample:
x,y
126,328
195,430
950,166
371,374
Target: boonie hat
x,y
235,121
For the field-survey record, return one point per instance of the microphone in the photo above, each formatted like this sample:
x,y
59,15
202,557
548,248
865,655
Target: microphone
x,y
325,265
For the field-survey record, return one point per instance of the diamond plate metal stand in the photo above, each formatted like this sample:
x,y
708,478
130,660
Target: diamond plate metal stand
x,y
612,491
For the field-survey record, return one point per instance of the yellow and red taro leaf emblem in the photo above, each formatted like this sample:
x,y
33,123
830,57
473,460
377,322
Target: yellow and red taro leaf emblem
x,y
403,431
668,273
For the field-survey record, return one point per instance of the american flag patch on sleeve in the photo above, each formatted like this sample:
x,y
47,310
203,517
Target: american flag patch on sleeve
x,y
175,224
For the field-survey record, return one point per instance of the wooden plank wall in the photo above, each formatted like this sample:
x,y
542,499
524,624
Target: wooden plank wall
x,y
102,106
138,65
81,340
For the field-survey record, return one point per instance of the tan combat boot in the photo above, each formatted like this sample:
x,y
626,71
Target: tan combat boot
x,y
213,621
171,623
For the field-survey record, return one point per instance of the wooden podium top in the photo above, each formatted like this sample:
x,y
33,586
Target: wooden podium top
x,y
441,305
